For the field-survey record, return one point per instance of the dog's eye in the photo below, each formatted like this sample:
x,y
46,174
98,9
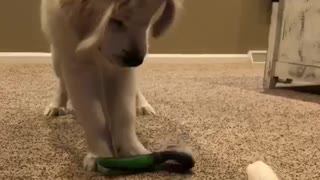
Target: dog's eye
x,y
118,23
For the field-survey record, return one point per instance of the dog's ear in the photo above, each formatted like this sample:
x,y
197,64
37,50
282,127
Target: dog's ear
x,y
167,17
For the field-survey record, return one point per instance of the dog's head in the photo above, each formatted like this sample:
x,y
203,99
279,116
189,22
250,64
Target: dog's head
x,y
125,40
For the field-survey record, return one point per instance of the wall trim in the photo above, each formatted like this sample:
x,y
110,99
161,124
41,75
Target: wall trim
x,y
251,52
45,58
25,57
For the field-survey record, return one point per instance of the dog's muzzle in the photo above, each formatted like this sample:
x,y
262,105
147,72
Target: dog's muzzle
x,y
132,58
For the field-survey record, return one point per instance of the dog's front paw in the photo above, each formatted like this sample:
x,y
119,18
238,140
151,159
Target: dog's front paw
x,y
51,111
89,162
145,109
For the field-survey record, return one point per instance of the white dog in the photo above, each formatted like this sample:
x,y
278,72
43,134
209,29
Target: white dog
x,y
96,45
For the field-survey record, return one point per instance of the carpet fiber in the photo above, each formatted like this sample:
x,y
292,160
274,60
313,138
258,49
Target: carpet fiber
x,y
219,110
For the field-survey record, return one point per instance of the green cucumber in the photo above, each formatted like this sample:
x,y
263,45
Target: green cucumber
x,y
146,163
129,163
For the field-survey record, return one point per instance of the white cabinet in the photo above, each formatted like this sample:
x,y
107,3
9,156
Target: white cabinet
x,y
294,43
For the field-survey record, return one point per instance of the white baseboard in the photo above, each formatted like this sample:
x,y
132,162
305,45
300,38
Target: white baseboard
x,y
252,52
25,57
45,58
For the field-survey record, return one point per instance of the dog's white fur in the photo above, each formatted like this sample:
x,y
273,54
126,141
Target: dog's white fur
x,y
260,171
88,39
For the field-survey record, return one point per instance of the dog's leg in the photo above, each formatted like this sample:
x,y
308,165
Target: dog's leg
x,y
143,106
121,98
58,105
84,88
59,102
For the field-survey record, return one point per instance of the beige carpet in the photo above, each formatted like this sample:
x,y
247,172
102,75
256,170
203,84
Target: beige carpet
x,y
219,110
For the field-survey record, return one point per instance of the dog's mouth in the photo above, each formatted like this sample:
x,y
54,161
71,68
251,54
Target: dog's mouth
x,y
126,62
117,60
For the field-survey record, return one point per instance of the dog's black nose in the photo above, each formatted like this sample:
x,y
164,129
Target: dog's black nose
x,y
133,58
